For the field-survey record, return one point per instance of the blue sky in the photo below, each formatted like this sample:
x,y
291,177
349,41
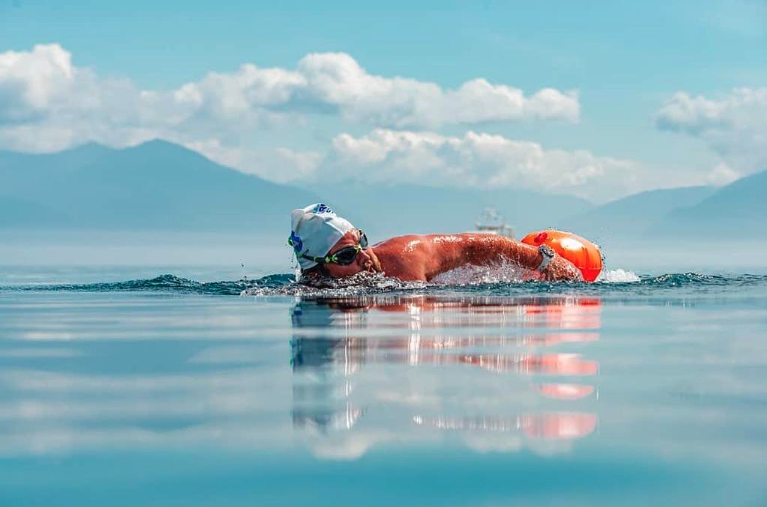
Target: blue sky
x,y
626,61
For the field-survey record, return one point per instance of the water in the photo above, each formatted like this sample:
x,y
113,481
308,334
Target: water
x,y
163,390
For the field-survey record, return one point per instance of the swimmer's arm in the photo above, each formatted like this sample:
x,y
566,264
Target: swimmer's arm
x,y
451,251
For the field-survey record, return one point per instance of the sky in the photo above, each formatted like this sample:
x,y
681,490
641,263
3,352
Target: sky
x,y
594,99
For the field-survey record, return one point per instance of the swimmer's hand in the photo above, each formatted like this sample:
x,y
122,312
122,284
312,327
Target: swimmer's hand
x,y
560,269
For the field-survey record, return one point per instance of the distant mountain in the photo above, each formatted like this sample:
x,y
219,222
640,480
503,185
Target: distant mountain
x,y
162,186
399,209
735,212
632,216
23,175
156,185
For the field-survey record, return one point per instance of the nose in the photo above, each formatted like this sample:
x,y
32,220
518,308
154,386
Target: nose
x,y
364,259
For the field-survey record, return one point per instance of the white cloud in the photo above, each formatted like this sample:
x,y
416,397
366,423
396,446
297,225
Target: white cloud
x,y
733,126
336,79
48,103
480,160
304,163
31,82
721,174
281,165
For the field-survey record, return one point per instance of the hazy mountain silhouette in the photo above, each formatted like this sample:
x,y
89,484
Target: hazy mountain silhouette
x,y
420,209
737,212
631,217
23,175
155,185
163,186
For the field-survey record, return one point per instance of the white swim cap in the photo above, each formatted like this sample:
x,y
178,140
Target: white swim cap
x,y
315,229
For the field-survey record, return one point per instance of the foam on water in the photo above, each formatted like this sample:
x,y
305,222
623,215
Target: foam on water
x,y
359,284
618,276
505,272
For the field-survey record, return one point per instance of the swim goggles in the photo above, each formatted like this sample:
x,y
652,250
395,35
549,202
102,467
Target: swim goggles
x,y
343,257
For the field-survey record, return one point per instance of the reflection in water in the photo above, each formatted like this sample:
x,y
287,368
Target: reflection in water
x,y
349,353
565,391
549,426
188,395
328,420
151,373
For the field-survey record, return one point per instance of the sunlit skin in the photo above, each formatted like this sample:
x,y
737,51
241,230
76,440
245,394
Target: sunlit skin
x,y
423,257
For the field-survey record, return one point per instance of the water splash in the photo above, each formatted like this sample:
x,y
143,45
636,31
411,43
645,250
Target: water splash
x,y
618,276
504,272
361,283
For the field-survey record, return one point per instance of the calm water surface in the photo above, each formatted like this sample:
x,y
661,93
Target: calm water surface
x,y
172,392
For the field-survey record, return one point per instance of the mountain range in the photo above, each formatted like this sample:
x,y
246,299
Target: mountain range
x,y
156,185
634,216
163,186
736,212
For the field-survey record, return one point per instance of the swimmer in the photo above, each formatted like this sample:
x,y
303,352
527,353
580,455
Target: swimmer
x,y
328,245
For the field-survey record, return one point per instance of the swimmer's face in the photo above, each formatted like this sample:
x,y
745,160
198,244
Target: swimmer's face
x,y
366,260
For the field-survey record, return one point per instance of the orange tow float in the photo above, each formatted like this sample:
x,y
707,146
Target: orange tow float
x,y
584,254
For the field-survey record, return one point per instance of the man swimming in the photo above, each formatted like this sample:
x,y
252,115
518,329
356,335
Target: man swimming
x,y
328,245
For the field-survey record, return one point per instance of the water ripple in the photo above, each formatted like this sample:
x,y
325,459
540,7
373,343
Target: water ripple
x,y
284,284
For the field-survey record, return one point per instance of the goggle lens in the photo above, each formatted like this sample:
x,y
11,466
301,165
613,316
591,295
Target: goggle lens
x,y
346,255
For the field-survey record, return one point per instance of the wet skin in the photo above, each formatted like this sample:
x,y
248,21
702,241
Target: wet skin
x,y
422,257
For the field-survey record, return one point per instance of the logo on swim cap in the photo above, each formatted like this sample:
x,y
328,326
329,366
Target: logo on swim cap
x,y
322,208
296,242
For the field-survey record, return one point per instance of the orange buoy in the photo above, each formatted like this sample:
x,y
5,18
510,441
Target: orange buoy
x,y
584,254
